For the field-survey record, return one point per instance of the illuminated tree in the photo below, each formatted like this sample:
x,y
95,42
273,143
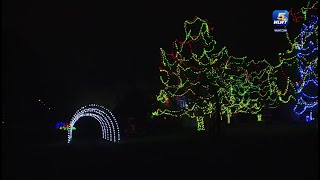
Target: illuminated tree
x,y
300,61
307,56
196,70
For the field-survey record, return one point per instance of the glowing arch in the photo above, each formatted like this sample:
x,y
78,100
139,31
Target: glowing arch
x,y
108,123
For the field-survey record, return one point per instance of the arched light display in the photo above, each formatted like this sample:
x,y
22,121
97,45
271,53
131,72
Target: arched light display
x,y
108,123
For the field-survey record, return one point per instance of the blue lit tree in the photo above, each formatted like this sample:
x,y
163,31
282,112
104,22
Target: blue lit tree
x,y
307,62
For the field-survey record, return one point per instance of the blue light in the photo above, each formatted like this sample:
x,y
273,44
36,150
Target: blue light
x,y
309,118
307,64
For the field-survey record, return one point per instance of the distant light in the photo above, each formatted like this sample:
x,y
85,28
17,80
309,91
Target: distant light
x,y
39,100
2,122
49,108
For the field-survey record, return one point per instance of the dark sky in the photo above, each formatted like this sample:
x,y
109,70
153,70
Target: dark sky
x,y
71,54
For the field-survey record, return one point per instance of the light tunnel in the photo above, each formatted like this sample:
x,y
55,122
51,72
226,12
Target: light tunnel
x,y
108,123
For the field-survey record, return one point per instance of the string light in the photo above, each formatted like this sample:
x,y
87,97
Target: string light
x,y
309,118
301,14
107,121
302,56
307,66
242,84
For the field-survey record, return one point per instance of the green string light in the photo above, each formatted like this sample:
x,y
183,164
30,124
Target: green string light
x,y
243,84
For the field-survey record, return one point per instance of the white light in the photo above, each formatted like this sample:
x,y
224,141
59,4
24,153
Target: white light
x,y
108,123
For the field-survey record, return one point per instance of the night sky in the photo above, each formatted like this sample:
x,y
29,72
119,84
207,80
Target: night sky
x,y
72,54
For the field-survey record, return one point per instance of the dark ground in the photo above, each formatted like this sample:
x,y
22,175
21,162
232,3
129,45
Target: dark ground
x,y
251,152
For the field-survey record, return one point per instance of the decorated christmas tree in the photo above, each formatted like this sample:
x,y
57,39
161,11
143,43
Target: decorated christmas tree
x,y
300,62
197,75
307,56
